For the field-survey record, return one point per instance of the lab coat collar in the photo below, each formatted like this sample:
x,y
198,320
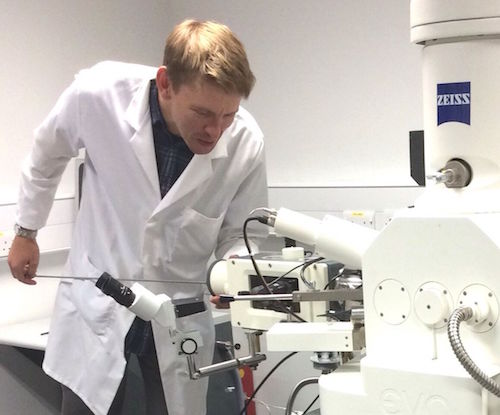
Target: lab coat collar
x,y
139,106
138,117
199,170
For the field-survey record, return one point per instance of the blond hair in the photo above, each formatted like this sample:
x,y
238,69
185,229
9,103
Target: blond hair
x,y
208,50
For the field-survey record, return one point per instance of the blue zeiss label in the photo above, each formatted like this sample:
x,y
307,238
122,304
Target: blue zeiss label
x,y
453,102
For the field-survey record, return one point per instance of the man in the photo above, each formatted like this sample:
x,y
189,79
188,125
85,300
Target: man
x,y
173,165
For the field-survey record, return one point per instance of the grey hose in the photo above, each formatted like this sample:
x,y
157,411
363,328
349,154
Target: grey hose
x,y
459,315
296,390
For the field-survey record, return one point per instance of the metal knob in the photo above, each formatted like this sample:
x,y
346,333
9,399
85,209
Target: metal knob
x,y
457,173
189,346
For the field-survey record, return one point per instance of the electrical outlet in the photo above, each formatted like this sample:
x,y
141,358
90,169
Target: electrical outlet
x,y
6,238
361,217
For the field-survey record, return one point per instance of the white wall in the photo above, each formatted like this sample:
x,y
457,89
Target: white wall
x,y
338,81
338,85
44,43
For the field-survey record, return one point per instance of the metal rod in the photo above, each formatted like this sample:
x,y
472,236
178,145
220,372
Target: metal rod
x,y
229,364
121,279
263,297
297,296
340,294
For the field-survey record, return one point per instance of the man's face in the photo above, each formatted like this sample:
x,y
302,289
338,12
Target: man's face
x,y
199,112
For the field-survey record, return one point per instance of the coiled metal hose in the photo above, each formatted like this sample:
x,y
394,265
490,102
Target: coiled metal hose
x,y
459,315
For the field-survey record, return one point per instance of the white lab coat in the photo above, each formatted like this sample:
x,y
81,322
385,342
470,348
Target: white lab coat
x,y
124,228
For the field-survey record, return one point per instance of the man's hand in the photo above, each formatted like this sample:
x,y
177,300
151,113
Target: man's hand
x,y
23,259
215,299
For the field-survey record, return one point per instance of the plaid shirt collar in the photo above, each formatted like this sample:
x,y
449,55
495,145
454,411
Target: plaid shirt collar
x,y
158,122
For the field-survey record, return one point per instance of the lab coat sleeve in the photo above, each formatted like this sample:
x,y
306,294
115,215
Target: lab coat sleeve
x,y
252,193
56,142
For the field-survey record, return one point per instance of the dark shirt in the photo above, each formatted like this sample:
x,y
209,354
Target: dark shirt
x,y
172,157
172,153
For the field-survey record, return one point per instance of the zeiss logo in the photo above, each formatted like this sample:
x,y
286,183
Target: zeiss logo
x,y
453,102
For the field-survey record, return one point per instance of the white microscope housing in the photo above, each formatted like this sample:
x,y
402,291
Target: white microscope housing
x,y
445,252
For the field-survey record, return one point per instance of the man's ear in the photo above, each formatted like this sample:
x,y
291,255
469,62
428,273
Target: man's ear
x,y
163,83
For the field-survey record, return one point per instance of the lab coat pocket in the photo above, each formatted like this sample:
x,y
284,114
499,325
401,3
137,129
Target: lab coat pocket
x,y
94,307
197,237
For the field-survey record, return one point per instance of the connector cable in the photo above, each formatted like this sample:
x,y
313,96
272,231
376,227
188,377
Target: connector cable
x,y
296,390
458,316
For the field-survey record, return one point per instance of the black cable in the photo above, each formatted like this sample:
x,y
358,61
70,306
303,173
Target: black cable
x,y
249,249
263,219
342,272
310,405
250,399
304,264
333,279
303,269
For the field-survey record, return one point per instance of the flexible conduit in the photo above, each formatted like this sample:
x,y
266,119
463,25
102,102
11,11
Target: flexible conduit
x,y
457,317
